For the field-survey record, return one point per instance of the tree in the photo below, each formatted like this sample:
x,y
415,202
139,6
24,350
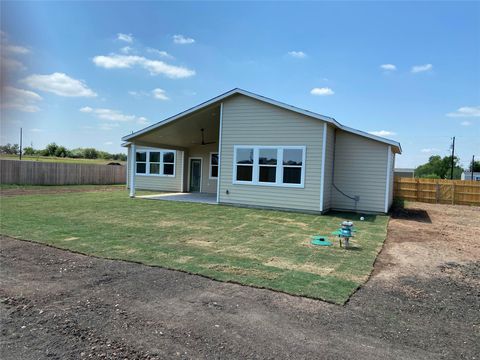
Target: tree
x,y
50,150
440,168
10,149
90,153
61,151
29,151
476,166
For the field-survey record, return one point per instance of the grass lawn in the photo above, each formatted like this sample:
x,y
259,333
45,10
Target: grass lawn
x,y
261,248
60,159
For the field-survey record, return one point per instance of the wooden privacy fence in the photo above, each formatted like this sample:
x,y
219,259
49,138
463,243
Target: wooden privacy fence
x,y
53,173
437,191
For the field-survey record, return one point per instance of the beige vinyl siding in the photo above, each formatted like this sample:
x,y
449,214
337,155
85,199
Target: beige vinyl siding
x,y
203,151
248,121
160,183
327,191
360,169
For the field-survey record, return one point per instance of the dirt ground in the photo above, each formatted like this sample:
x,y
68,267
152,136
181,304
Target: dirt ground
x,y
422,302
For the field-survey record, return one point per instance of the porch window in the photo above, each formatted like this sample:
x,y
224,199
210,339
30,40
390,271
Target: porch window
x,y
213,165
269,165
155,162
154,157
168,163
141,159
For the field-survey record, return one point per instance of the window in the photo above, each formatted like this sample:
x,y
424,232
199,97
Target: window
x,y
267,161
154,157
292,166
244,164
168,163
269,165
155,162
213,165
141,160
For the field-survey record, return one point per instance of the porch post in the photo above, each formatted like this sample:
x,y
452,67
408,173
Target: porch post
x,y
133,154
219,175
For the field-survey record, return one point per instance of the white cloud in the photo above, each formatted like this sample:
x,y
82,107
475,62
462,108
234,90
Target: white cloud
x,y
155,67
142,120
36,130
16,49
324,91
112,116
180,39
11,64
429,150
466,123
466,111
160,53
108,126
160,94
108,143
86,109
6,49
125,37
19,99
388,67
126,49
382,133
297,54
421,68
60,84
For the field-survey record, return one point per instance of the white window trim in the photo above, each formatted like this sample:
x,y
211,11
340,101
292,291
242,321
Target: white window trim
x,y
147,162
210,166
279,166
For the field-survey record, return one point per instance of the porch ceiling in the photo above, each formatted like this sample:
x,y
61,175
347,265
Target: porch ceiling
x,y
185,132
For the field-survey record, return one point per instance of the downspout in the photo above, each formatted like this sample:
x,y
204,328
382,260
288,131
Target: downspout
x,y
322,179
387,185
133,153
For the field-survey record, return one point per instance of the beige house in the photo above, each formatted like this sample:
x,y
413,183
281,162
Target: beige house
x,y
243,149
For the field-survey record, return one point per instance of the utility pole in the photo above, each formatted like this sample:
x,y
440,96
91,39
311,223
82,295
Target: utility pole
x,y
21,143
473,166
453,158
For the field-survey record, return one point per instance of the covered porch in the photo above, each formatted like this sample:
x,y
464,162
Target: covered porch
x,y
194,197
178,158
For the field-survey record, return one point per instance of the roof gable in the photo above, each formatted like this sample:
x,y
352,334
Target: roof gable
x,y
237,91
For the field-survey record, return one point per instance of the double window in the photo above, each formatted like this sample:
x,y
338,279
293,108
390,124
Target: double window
x,y
213,165
155,162
269,165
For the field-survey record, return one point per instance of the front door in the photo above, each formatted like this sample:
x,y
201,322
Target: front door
x,y
195,174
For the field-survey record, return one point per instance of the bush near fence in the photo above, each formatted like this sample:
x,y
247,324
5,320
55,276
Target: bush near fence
x,y
54,173
437,191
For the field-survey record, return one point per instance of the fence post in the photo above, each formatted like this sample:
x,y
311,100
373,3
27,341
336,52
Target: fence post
x,y
416,189
453,193
437,192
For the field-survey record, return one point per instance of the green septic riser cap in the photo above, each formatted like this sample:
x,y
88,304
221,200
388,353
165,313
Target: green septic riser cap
x,y
320,241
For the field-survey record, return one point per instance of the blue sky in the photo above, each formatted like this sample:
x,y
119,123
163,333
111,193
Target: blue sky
x,y
86,73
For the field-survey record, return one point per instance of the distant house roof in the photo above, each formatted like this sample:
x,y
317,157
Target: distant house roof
x,y
404,170
236,91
